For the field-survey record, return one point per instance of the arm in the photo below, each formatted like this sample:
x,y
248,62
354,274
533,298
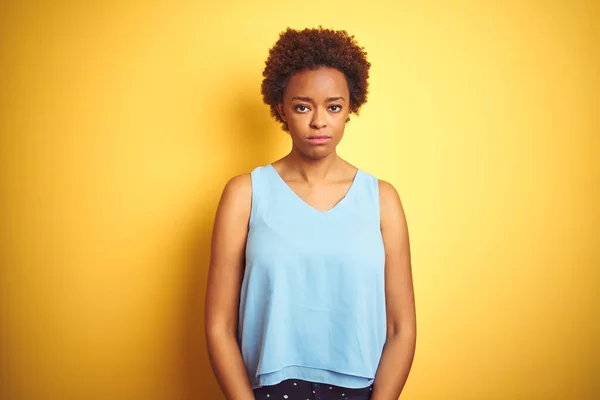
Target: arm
x,y
399,348
223,288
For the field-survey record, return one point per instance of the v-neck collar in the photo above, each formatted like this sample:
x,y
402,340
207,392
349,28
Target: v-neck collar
x,y
294,194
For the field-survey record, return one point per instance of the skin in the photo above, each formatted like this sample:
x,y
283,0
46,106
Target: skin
x,y
315,102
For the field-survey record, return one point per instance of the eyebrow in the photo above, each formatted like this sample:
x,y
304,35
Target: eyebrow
x,y
308,99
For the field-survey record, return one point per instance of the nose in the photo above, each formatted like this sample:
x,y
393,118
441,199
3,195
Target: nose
x,y
318,119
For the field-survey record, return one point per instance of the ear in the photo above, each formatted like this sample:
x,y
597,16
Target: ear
x,y
280,111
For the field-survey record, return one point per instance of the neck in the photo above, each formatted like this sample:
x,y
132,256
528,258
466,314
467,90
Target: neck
x,y
310,170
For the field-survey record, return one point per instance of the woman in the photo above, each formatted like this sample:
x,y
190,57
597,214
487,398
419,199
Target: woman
x,y
310,292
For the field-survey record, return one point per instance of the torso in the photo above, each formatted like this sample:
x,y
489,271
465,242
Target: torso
x,y
312,303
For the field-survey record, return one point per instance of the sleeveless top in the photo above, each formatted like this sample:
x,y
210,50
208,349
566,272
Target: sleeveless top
x,y
312,303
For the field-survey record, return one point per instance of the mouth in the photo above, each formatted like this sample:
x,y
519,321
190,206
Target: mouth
x,y
318,139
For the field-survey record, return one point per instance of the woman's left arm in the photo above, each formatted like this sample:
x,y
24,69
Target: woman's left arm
x,y
399,348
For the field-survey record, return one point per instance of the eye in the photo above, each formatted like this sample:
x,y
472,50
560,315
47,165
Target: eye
x,y
302,108
335,108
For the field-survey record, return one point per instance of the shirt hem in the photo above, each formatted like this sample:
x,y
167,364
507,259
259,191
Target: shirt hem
x,y
314,375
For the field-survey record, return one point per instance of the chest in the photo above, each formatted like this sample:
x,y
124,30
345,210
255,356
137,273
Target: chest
x,y
349,240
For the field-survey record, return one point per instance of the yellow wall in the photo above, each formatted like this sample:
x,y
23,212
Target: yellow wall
x,y
121,121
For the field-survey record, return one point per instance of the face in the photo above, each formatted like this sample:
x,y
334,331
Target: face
x,y
316,105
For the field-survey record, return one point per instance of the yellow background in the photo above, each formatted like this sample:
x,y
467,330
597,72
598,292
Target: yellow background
x,y
121,121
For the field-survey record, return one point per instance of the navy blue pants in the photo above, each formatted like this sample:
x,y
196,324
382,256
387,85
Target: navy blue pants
x,y
295,389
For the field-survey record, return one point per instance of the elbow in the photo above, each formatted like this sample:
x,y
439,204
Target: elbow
x,y
219,331
216,328
402,338
407,331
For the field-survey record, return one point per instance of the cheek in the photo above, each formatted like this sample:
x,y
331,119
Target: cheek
x,y
339,120
298,125
296,118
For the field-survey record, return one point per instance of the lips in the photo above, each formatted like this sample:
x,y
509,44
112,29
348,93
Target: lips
x,y
318,139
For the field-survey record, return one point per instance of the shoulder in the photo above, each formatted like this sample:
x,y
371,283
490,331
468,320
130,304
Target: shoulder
x,y
239,185
243,185
389,203
237,194
387,192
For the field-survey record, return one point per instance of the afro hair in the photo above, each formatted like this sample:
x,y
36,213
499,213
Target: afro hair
x,y
307,49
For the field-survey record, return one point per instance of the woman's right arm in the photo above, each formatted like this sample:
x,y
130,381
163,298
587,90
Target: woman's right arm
x,y
223,288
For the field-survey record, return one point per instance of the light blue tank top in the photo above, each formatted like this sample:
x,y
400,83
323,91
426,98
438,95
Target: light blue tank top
x,y
312,303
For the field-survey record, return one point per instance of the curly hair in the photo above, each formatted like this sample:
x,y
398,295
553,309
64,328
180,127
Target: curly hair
x,y
298,50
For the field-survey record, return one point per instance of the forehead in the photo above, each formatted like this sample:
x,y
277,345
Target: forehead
x,y
315,83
